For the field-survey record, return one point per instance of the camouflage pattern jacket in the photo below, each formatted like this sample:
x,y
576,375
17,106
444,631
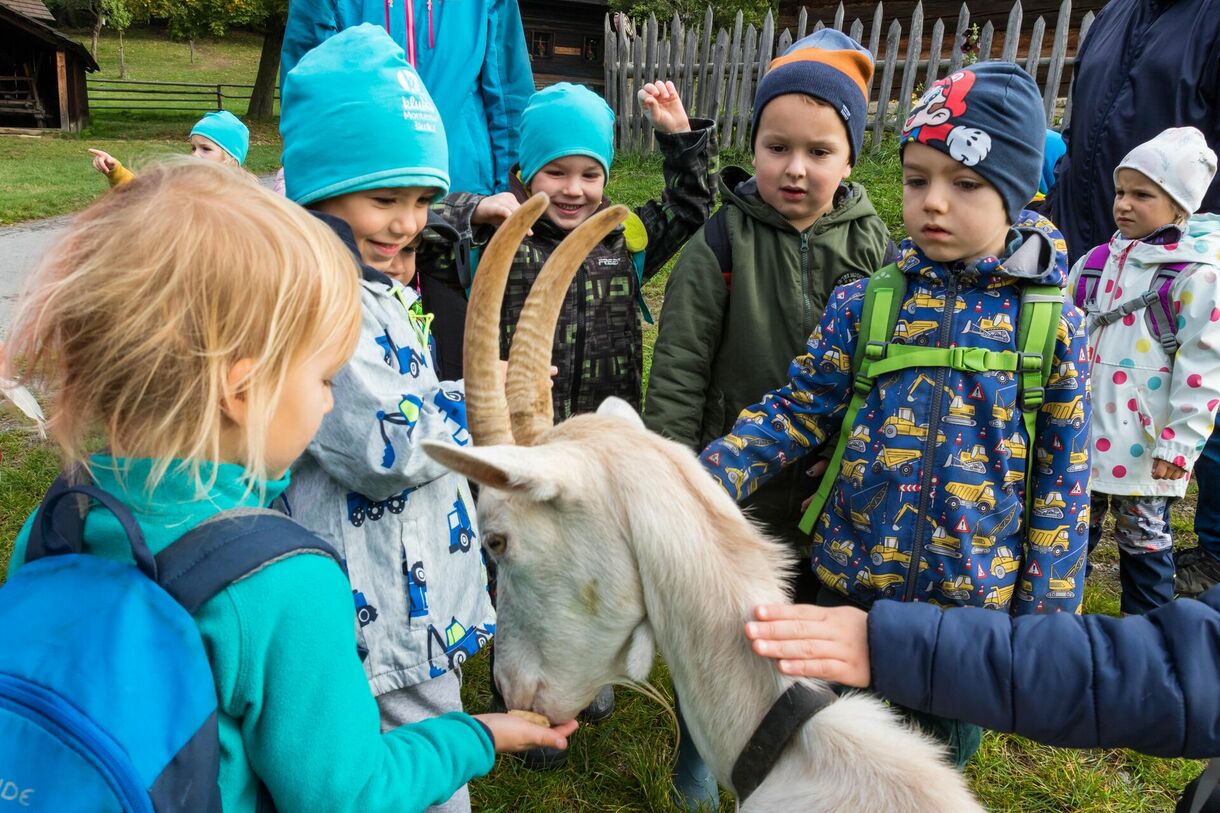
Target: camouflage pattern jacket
x,y
598,340
929,503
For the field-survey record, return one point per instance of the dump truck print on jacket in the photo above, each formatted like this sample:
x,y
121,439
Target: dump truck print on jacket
x,y
404,523
929,503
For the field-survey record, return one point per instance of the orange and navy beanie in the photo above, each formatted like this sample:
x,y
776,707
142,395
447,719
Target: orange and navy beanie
x,y
827,65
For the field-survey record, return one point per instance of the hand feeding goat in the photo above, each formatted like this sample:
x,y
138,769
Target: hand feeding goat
x,y
610,540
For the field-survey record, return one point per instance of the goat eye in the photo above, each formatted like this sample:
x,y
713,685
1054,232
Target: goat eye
x,y
495,543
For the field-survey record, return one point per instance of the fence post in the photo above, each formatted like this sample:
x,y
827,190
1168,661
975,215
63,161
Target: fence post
x,y
959,39
938,36
839,17
745,95
874,44
734,64
887,83
1012,36
985,39
705,52
650,75
914,43
1054,73
220,103
1035,48
802,23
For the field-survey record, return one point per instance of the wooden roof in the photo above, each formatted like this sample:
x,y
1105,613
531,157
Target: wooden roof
x,y
34,9
43,31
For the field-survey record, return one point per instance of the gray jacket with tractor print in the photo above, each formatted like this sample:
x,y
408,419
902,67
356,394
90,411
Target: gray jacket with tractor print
x,y
405,525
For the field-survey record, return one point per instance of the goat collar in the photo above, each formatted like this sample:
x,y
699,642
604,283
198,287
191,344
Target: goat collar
x,y
785,717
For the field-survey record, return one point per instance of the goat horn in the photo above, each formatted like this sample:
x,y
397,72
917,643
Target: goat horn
x,y
529,359
486,406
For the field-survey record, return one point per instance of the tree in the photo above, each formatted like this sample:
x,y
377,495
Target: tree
x,y
118,15
262,97
724,11
191,19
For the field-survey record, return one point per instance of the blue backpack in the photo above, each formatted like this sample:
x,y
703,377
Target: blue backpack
x,y
107,700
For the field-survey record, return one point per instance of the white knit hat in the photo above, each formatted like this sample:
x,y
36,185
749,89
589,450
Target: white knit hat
x,y
1179,161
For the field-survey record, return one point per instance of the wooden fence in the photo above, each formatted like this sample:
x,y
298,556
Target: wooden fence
x,y
716,77
127,94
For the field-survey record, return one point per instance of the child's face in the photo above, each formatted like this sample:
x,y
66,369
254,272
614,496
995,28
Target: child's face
x,y
948,209
207,149
575,185
384,221
1140,206
801,155
304,401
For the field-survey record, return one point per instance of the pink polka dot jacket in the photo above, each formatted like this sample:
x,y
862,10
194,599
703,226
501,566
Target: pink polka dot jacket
x,y
929,503
1147,403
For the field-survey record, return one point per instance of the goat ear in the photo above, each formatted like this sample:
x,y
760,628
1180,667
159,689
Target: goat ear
x,y
640,653
618,408
508,468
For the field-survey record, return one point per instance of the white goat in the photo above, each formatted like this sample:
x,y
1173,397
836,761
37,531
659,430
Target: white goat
x,y
609,538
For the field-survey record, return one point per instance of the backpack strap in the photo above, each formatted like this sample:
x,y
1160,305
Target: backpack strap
x,y
716,235
1160,316
1090,275
635,235
227,548
882,299
1037,330
58,526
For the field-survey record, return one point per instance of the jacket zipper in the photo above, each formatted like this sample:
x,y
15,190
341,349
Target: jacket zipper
x,y
929,444
806,284
64,722
578,360
410,10
431,37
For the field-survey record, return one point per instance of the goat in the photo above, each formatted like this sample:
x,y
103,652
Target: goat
x,y
611,541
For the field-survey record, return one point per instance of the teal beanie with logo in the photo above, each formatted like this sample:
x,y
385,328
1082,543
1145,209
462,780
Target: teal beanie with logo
x,y
563,120
226,131
356,116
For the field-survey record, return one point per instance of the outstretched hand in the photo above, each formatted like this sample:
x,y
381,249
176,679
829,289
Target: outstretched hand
x,y
103,161
513,734
829,643
664,108
493,210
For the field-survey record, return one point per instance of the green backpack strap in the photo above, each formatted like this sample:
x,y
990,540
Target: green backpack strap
x,y
635,235
882,299
1037,330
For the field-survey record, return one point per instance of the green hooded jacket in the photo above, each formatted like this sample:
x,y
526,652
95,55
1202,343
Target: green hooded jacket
x,y
717,353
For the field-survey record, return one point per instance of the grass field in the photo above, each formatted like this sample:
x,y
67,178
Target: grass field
x,y
47,175
623,764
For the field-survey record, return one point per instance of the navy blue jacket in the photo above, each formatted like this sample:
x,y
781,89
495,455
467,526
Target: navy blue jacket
x,y
1150,683
1145,65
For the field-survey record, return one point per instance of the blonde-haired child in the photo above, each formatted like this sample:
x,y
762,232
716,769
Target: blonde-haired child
x,y
219,136
1154,340
195,319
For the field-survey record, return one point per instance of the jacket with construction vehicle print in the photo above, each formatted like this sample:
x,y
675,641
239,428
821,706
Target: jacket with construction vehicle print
x,y
929,503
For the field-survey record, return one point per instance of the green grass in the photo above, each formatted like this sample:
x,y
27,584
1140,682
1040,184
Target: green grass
x,y
623,764
51,174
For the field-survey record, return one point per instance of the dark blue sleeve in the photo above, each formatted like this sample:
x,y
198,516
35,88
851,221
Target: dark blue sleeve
x,y
1150,683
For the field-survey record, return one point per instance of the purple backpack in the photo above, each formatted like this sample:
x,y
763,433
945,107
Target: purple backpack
x,y
1162,320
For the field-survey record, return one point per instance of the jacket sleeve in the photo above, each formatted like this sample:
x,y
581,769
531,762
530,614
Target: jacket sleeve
x,y
310,23
1144,682
506,83
120,175
1060,434
688,340
792,421
1194,385
309,725
370,441
688,164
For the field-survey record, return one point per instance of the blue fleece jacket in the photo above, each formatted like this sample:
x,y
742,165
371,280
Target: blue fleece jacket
x,y
473,60
1146,682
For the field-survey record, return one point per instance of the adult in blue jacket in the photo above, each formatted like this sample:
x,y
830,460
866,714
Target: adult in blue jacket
x,y
1145,65
472,57
1149,683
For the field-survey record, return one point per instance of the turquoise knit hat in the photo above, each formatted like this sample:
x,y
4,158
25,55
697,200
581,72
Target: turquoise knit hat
x,y
227,131
563,120
356,116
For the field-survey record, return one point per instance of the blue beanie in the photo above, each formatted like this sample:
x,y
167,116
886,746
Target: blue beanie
x,y
356,116
827,65
988,117
563,120
1052,150
227,131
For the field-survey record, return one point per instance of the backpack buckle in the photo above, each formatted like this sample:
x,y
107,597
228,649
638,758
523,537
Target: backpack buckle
x,y
1030,362
862,384
969,359
875,351
1032,398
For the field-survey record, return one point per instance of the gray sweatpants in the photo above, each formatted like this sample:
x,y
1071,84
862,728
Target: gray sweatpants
x,y
431,698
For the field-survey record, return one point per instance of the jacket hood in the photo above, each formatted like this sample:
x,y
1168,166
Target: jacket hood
x,y
1197,242
741,188
1036,252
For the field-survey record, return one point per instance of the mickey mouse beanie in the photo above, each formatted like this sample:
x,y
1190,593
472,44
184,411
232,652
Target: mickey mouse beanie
x,y
989,117
826,65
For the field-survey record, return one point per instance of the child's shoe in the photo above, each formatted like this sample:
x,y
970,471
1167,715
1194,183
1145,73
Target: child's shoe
x,y
1197,571
601,707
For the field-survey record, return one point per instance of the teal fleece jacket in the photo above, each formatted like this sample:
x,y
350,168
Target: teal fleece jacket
x,y
294,707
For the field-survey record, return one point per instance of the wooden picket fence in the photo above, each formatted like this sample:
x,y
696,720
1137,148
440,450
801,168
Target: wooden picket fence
x,y
716,77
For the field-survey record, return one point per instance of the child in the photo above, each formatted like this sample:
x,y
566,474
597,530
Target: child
x,y
567,146
364,148
196,320
219,136
792,233
1149,295
929,502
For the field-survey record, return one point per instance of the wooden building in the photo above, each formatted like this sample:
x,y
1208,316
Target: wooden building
x,y
42,72
565,40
